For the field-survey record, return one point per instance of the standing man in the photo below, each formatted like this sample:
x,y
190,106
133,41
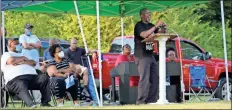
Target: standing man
x,y
74,54
144,59
31,44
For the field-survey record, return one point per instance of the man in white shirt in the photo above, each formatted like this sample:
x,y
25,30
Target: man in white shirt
x,y
31,44
20,75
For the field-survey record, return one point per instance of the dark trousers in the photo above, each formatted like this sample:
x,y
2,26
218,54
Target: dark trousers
x,y
21,84
58,87
148,81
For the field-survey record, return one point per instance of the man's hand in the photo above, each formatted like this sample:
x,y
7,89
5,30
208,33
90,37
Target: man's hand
x,y
24,58
159,23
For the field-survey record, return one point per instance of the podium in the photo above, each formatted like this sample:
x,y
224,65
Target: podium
x,y
162,38
127,94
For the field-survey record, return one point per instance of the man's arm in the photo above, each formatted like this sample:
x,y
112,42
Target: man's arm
x,y
35,45
15,60
91,51
147,33
150,38
29,62
52,71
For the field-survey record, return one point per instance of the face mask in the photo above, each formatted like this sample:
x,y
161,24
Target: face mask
x,y
61,54
18,48
28,33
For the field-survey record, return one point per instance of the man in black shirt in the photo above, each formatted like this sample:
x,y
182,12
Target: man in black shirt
x,y
147,67
74,54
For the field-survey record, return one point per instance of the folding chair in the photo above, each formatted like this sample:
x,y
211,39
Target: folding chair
x,y
199,80
11,95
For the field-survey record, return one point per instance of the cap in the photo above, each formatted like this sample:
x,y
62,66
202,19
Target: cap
x,y
28,26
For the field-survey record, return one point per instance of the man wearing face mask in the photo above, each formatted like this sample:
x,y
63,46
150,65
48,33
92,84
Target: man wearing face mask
x,y
147,66
21,76
30,44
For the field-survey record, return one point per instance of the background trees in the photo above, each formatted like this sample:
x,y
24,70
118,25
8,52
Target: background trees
x,y
200,23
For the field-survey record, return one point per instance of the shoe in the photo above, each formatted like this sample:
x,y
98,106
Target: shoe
x,y
86,104
76,105
33,106
85,93
45,105
60,105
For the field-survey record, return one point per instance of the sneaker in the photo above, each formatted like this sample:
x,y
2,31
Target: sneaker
x,y
85,93
86,104
33,106
76,105
45,105
60,105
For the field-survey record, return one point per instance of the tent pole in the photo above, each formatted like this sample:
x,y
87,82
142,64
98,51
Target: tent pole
x,y
86,48
122,31
225,51
99,50
3,49
3,32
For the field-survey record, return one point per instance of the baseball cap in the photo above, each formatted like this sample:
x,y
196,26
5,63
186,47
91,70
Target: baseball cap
x,y
28,26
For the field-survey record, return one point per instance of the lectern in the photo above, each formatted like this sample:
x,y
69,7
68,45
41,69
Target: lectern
x,y
127,95
162,38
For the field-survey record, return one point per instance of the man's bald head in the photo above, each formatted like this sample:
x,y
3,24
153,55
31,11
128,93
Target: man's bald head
x,y
73,44
145,15
12,42
52,41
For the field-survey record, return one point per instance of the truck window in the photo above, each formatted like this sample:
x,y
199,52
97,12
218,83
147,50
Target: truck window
x,y
116,46
190,51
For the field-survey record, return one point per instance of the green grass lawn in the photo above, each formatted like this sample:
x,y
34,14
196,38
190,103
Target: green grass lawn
x,y
187,105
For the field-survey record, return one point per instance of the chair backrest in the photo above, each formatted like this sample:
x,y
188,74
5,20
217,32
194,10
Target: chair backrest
x,y
173,68
84,61
198,75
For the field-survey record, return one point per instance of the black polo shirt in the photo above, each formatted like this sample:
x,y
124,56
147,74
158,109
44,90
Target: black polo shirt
x,y
75,56
144,49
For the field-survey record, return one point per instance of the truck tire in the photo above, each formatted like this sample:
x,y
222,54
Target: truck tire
x,y
221,92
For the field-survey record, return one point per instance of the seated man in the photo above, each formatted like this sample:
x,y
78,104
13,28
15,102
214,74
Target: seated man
x,y
58,69
174,80
20,75
74,53
47,56
127,57
171,54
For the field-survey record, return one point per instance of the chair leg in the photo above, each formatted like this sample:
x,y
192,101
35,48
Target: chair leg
x,y
53,99
32,96
12,101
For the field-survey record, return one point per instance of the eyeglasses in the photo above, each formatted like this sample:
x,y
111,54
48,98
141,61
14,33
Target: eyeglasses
x,y
171,54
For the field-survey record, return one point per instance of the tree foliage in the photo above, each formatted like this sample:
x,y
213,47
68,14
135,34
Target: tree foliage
x,y
184,21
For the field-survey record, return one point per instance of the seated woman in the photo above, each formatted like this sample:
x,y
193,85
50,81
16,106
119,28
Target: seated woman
x,y
58,69
127,57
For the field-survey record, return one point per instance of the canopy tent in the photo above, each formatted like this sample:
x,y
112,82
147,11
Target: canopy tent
x,y
106,8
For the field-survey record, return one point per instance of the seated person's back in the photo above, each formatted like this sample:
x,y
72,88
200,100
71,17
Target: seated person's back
x,y
126,57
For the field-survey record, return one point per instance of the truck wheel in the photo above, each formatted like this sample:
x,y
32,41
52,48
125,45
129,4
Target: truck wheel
x,y
222,90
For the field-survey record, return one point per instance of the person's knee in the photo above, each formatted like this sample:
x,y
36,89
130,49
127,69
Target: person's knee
x,y
43,78
18,87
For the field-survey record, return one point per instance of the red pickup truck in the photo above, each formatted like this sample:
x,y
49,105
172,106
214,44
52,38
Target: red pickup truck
x,y
192,54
